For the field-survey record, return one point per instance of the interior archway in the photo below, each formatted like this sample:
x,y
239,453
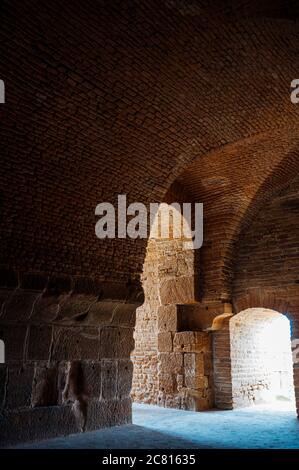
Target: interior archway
x,y
253,361
261,358
161,372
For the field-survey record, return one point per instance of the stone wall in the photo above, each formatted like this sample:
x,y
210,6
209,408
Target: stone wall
x,y
185,372
67,355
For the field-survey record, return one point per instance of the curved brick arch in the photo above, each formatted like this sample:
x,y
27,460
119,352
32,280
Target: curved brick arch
x,y
277,181
261,298
233,190
158,117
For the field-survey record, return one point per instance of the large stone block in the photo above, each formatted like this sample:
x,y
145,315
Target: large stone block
x,y
40,341
71,343
92,378
196,382
124,314
178,290
29,424
87,286
105,413
167,382
165,342
116,342
19,306
76,306
19,386
46,308
45,386
168,319
193,400
192,341
125,376
170,362
194,364
101,312
208,363
109,379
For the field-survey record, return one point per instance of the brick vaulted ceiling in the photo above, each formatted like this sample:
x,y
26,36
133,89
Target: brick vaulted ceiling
x,y
105,98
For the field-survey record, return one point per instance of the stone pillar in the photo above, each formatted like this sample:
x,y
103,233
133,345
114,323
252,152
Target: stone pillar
x,y
185,362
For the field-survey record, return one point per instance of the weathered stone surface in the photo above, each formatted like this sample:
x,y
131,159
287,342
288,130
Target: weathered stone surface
x,y
106,413
19,306
45,386
124,315
46,308
178,290
101,312
167,382
194,364
76,305
168,319
125,375
75,343
192,341
116,342
171,362
92,378
29,424
194,401
19,386
108,379
165,342
86,285
195,381
39,342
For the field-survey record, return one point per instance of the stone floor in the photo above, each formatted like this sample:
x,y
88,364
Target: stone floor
x,y
154,427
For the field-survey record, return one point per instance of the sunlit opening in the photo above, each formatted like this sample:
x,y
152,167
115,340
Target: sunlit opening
x,y
262,365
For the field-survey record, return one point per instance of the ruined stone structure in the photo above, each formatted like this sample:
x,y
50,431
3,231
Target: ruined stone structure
x,y
163,101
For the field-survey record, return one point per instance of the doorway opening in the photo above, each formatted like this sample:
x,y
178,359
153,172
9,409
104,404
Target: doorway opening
x,y
261,359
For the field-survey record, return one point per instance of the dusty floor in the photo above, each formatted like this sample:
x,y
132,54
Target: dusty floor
x,y
154,427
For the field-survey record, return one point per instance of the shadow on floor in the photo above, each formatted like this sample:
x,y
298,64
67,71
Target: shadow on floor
x,y
163,428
